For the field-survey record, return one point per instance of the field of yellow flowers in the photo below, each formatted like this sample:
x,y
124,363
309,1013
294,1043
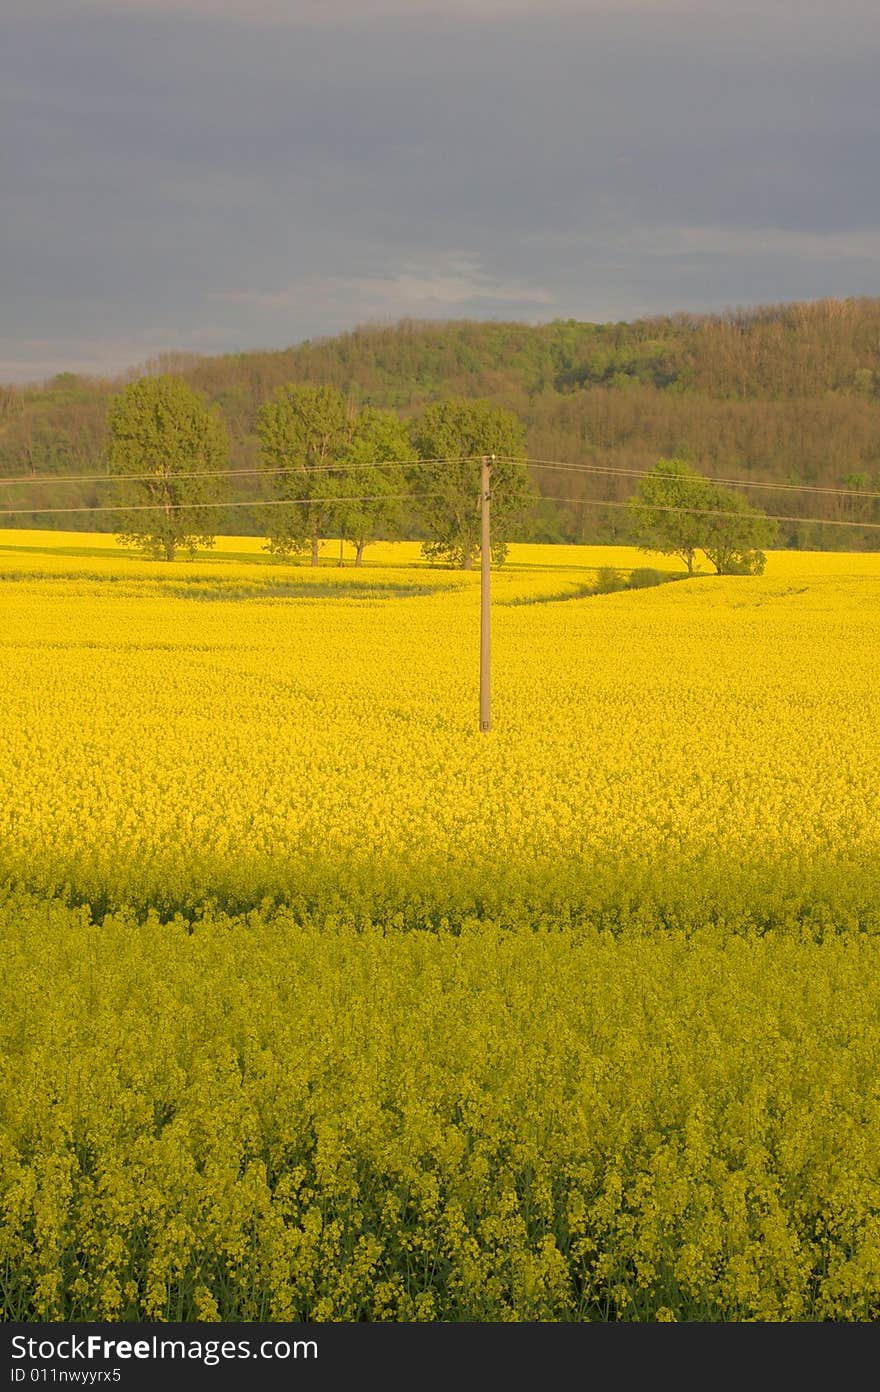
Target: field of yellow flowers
x,y
320,1004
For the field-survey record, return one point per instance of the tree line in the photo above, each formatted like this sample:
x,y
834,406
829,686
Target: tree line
x,y
781,394
338,470
332,469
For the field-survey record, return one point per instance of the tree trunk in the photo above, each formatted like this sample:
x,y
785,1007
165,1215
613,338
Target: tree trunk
x,y
359,553
169,550
314,550
467,560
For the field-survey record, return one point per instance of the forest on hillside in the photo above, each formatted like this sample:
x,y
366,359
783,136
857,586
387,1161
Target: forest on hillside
x,y
785,394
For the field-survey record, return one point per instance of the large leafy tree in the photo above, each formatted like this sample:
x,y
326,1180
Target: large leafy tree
x,y
339,468
167,448
735,533
303,432
667,513
373,480
679,512
454,435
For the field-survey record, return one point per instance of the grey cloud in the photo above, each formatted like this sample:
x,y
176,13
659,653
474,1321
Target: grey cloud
x,y
766,242
179,179
454,283
329,13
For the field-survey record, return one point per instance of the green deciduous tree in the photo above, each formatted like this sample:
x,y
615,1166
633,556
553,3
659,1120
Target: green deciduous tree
x,y
459,432
371,497
166,446
735,533
303,432
322,452
679,512
657,522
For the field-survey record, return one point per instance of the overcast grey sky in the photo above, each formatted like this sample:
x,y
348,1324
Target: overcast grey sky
x,y
226,174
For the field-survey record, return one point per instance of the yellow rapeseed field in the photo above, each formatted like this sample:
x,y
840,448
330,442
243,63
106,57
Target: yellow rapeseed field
x,y
321,1004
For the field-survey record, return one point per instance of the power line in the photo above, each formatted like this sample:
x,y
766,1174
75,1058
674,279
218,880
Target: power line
x,y
245,502
343,500
549,464
733,483
235,473
707,512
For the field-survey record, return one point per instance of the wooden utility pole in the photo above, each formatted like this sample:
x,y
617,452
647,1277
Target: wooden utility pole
x,y
485,598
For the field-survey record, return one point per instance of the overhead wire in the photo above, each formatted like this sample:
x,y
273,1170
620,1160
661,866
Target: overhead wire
x,y
237,503
558,464
257,472
434,462
343,499
707,512
348,467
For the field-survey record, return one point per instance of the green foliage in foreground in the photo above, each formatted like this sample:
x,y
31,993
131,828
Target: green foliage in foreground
x,y
251,1119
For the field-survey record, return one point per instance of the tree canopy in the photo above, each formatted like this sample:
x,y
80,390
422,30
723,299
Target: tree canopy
x,y
735,533
373,480
679,512
340,468
452,437
166,447
303,432
666,511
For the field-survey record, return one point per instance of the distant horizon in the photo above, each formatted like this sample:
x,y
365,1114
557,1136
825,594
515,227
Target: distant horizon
x,y
146,365
212,176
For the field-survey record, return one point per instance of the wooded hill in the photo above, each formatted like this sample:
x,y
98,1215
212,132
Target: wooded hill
x,y
786,394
